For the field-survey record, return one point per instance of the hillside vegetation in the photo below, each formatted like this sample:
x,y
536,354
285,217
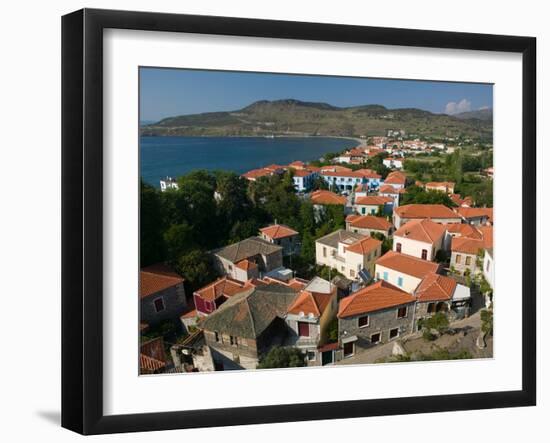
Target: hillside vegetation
x,y
294,117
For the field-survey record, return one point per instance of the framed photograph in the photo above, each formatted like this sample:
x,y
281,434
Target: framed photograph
x,y
269,221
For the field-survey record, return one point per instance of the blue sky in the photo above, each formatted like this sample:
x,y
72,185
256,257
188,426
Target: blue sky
x,y
170,92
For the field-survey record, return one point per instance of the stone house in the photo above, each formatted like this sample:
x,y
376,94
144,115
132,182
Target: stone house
x,y
161,295
283,236
247,326
368,224
420,238
437,213
464,252
404,271
308,318
248,259
348,252
376,314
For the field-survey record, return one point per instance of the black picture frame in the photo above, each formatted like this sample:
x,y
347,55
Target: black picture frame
x,y
82,215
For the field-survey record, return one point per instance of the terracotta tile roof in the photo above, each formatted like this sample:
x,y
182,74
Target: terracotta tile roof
x,y
369,222
395,178
435,287
446,185
487,236
423,230
275,167
463,230
389,189
190,314
371,200
246,265
328,347
222,287
364,246
297,164
380,295
356,152
466,245
156,278
151,356
368,173
425,211
459,201
475,212
257,173
322,197
303,172
407,264
309,302
278,231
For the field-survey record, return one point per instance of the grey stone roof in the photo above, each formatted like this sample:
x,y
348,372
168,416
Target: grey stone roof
x,y
341,235
249,313
246,248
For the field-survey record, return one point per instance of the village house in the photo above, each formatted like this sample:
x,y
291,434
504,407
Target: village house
x,y
464,252
355,155
282,235
322,197
368,224
345,179
460,230
376,314
437,213
459,201
161,295
438,293
390,191
404,271
303,179
168,183
248,259
212,296
308,318
349,253
393,162
446,187
255,174
373,204
396,179
420,238
476,216
247,326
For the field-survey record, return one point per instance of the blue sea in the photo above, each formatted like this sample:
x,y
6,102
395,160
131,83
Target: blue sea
x,y
175,156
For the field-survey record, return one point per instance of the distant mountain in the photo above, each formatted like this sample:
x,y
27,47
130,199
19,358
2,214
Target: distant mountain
x,y
294,117
146,122
480,114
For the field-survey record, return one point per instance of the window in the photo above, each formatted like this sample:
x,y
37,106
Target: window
x,y
363,321
394,333
216,336
458,259
386,275
424,254
402,312
303,329
363,210
324,251
230,267
311,355
233,341
159,304
400,281
431,308
349,349
488,265
375,338
468,260
351,273
398,247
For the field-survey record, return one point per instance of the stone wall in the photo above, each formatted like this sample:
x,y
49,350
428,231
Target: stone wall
x,y
174,305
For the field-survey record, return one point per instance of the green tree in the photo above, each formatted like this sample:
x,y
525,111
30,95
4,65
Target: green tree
x,y
196,268
152,245
179,239
282,357
486,316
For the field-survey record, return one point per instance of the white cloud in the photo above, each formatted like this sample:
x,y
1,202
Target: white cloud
x,y
456,108
483,108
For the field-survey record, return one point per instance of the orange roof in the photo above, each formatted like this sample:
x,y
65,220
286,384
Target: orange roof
x,y
151,356
475,212
395,178
246,265
335,168
464,229
487,236
275,167
297,164
224,286
459,201
369,222
278,231
466,245
371,200
257,173
389,189
364,246
407,264
380,295
190,314
310,302
440,185
423,230
435,287
356,152
425,211
303,172
322,197
368,173
156,278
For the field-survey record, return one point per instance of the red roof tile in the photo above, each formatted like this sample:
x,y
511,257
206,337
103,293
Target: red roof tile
x,y
156,278
309,302
364,246
395,178
224,286
322,197
423,230
368,222
425,211
435,287
407,264
372,200
278,231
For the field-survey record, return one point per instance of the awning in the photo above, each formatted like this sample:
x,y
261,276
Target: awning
x,y
349,339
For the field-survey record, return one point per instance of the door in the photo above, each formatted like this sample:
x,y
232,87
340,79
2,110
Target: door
x,y
327,358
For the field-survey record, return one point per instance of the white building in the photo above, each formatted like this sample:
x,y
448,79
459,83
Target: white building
x,y
393,163
303,179
168,183
420,238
